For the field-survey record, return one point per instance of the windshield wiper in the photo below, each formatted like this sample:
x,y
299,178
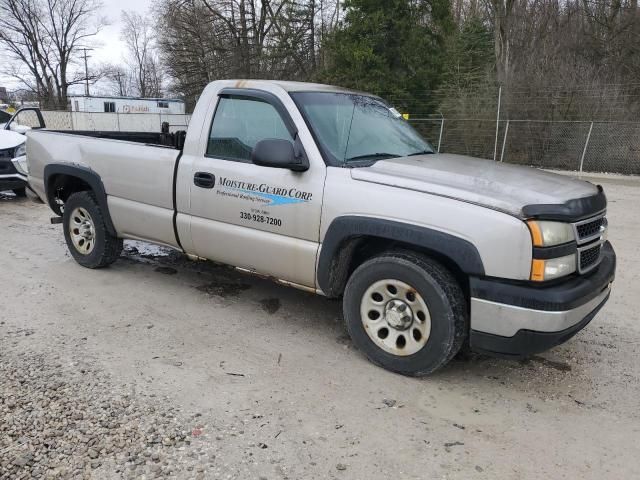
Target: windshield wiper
x,y
372,156
423,152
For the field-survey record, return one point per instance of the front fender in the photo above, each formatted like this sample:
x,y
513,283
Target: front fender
x,y
330,263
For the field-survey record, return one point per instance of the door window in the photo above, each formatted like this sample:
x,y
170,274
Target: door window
x,y
239,124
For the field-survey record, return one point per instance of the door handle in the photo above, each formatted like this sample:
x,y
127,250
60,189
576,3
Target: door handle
x,y
204,180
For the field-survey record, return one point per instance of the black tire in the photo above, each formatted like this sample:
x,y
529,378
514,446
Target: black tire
x,y
106,248
20,192
442,295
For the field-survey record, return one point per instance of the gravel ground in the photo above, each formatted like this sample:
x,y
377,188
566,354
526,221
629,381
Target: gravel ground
x,y
161,367
62,418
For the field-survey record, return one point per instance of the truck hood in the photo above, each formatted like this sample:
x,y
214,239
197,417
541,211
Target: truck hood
x,y
495,185
9,139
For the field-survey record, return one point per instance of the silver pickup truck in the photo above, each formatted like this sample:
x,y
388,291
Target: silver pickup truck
x,y
332,191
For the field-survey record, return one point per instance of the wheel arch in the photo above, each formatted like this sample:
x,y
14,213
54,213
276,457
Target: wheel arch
x,y
61,180
351,240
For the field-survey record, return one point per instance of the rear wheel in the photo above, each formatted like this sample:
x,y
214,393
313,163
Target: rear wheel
x,y
406,312
86,234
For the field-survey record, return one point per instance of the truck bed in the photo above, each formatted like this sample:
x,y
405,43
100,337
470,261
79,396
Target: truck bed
x,y
174,140
136,168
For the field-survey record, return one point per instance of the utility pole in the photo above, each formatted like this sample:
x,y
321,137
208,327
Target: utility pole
x,y
86,72
495,145
119,77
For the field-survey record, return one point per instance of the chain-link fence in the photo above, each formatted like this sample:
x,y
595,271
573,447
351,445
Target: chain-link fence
x,y
123,122
585,129
612,147
593,128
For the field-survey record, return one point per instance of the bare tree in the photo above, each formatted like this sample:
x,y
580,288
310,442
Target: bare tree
x,y
248,24
205,40
42,38
119,78
501,13
138,35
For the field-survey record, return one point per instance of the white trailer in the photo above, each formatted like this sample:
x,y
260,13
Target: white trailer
x,y
82,103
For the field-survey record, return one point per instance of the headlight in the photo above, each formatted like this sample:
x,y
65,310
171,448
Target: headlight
x,y
542,270
20,160
21,151
547,234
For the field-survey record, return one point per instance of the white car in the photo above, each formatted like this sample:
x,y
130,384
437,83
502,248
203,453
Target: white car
x,y
13,154
4,118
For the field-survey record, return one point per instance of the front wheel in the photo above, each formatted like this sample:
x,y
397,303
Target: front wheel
x,y
406,312
86,234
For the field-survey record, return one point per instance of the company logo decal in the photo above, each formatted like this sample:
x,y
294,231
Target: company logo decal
x,y
263,193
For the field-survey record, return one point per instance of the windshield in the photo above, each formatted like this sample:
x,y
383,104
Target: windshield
x,y
353,129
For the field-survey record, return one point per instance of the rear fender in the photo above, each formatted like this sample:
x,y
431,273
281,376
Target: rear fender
x,y
57,175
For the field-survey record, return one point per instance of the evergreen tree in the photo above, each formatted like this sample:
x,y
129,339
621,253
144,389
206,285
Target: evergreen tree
x,y
469,55
391,47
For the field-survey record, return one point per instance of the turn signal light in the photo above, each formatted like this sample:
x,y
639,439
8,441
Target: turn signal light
x,y
542,270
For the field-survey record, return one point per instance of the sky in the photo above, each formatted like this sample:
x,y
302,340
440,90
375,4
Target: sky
x,y
109,48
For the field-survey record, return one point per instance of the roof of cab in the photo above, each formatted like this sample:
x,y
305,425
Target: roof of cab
x,y
291,86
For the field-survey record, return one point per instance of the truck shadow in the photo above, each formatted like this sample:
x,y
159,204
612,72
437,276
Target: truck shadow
x,y
226,286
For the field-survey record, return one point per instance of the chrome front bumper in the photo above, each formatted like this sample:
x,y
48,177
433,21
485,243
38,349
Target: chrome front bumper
x,y
507,320
12,180
518,320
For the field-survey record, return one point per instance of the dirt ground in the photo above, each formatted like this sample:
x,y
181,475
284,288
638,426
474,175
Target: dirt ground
x,y
267,385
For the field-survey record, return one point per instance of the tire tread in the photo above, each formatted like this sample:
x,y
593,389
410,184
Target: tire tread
x,y
112,244
451,290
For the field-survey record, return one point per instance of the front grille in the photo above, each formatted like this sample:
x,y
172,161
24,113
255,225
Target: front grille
x,y
589,257
590,228
6,165
590,235
6,154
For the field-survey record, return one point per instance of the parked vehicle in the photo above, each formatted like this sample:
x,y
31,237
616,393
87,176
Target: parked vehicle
x,y
4,118
332,191
13,161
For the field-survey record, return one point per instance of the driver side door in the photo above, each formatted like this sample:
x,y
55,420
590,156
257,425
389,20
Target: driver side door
x,y
259,218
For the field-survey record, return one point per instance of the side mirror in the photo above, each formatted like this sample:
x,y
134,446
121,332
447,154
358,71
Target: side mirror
x,y
277,153
22,129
